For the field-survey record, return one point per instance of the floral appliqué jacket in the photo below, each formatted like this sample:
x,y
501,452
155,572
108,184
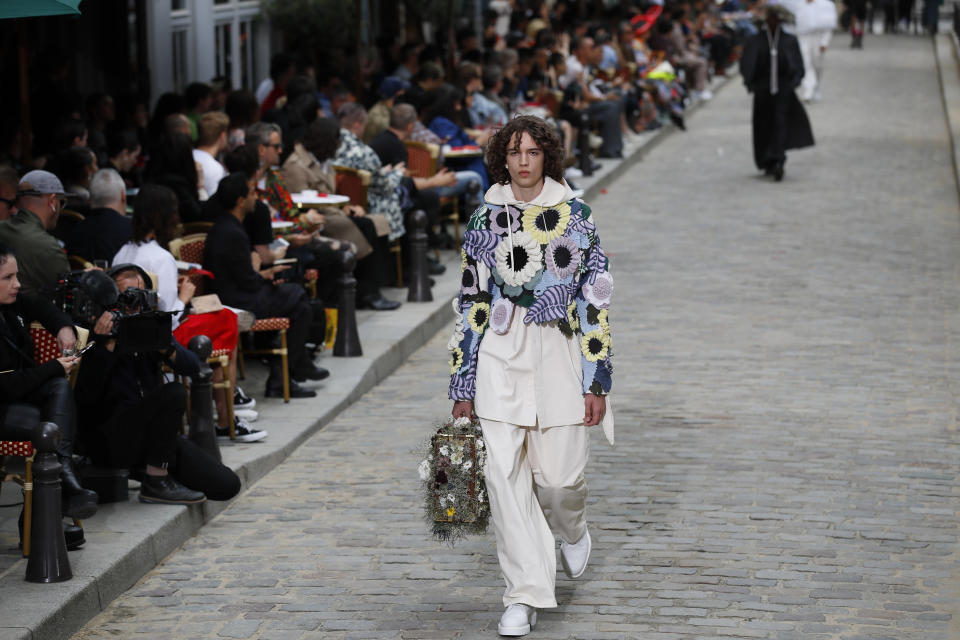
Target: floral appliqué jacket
x,y
556,272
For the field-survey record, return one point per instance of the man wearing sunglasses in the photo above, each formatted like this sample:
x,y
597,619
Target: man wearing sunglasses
x,y
40,257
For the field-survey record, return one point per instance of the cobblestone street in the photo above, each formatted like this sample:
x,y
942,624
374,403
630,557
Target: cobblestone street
x,y
786,395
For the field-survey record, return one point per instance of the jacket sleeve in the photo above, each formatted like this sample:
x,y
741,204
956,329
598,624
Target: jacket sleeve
x,y
592,303
238,264
472,322
295,177
18,383
38,308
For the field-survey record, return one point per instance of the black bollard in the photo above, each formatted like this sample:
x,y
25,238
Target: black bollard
x,y
202,431
419,290
48,560
583,145
347,344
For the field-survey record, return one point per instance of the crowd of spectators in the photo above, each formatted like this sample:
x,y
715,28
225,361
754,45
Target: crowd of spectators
x,y
112,184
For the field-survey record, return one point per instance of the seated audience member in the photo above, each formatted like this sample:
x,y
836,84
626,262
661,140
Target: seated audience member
x,y
384,180
428,77
101,111
172,165
241,284
483,111
211,141
243,110
168,104
130,418
197,99
9,181
123,151
378,117
105,228
409,61
44,387
40,258
604,110
308,168
443,117
70,133
75,166
154,223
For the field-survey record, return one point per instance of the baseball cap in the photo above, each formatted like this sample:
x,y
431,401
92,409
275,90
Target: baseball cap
x,y
40,183
129,266
393,85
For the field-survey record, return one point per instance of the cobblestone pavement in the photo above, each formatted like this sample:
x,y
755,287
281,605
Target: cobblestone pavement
x,y
787,451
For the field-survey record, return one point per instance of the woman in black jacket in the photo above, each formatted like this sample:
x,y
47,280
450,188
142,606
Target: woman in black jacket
x,y
43,387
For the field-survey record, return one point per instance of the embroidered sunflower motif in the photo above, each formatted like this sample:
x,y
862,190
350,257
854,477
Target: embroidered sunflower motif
x,y
456,360
563,257
546,223
479,316
595,345
503,220
572,318
519,266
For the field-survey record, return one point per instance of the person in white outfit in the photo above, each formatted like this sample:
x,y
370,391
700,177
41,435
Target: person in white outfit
x,y
816,20
532,359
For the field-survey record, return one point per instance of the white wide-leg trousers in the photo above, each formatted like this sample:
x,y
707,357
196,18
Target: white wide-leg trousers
x,y
535,482
812,64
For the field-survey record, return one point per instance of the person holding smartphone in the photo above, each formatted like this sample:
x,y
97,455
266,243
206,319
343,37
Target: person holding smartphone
x,y
31,393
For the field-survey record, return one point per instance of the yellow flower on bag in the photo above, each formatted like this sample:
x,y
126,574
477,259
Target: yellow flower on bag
x,y
546,223
450,512
479,316
595,345
456,360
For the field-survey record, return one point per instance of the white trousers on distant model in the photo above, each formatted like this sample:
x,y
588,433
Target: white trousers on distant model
x,y
536,486
810,44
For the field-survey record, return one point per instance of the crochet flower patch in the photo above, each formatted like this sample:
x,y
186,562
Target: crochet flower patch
x,y
519,266
546,223
563,257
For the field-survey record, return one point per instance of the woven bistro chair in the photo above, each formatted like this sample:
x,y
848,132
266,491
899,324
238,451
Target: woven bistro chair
x,y
423,160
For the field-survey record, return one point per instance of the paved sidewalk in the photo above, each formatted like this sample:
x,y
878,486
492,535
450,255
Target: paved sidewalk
x,y
125,541
787,408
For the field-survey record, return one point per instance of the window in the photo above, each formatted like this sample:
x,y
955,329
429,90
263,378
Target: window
x,y
179,46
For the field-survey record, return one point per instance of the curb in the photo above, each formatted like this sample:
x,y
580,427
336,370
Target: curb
x,y
946,49
129,539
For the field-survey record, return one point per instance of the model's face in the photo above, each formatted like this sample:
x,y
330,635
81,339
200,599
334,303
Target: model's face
x,y
9,284
525,162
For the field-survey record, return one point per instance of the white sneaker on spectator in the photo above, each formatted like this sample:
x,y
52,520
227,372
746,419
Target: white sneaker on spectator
x,y
573,172
247,414
242,430
705,95
242,400
517,620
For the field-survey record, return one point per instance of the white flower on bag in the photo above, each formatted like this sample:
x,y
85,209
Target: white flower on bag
x,y
457,457
451,498
468,465
424,470
480,443
443,501
519,265
457,336
444,450
461,422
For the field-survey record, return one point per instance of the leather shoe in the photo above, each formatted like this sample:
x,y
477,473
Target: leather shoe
x,y
517,620
778,172
574,556
166,490
296,391
378,303
435,268
309,371
73,535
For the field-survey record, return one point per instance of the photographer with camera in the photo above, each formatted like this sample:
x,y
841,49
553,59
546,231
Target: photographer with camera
x,y
43,388
130,418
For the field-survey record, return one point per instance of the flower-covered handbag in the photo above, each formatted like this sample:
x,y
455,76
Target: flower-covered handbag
x,y
455,494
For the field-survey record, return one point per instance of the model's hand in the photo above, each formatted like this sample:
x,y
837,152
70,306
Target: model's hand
x,y
462,409
594,409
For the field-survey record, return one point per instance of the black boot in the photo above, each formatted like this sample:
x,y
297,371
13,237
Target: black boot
x,y
275,383
72,533
77,502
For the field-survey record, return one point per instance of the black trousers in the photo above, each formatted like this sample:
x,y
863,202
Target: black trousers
x,y
52,402
148,433
289,300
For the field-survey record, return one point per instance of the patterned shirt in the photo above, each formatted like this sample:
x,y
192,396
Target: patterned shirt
x,y
384,194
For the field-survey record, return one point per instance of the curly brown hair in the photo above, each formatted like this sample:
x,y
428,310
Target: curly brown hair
x,y
509,138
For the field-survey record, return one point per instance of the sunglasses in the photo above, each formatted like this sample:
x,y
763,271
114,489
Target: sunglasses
x,y
8,202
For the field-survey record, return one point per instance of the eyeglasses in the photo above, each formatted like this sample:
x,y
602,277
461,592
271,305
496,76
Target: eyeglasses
x,y
8,202
277,145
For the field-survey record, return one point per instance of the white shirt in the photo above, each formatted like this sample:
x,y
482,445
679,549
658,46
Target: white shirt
x,y
213,171
264,89
574,72
153,258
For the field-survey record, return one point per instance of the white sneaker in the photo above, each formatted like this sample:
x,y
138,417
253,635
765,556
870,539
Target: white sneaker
x,y
242,400
243,432
574,556
517,620
705,95
573,172
247,414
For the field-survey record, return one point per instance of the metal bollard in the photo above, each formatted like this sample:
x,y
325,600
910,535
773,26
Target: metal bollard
x,y
419,290
48,560
202,431
347,344
583,144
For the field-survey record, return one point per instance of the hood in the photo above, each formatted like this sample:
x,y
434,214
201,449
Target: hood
x,y
553,193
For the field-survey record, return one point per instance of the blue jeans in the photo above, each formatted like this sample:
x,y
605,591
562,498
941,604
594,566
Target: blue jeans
x,y
463,179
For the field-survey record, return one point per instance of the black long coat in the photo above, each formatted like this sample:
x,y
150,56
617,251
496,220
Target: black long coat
x,y
779,120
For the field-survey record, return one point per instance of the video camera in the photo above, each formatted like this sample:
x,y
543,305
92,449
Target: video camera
x,y
138,326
